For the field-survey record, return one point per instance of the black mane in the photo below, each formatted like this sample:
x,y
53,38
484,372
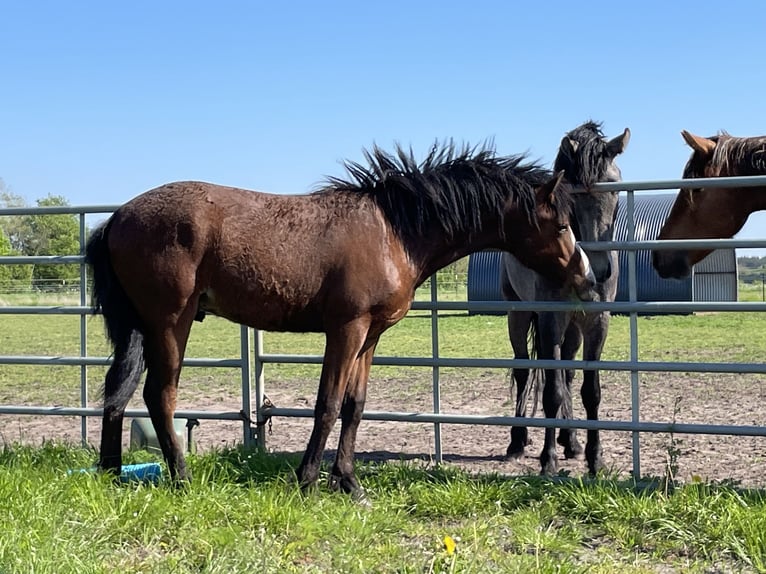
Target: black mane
x,y
452,188
589,164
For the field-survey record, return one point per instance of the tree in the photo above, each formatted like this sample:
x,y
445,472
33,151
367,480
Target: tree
x,y
52,235
39,234
12,276
14,226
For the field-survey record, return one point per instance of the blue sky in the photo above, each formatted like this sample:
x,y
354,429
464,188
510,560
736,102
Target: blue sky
x,y
104,100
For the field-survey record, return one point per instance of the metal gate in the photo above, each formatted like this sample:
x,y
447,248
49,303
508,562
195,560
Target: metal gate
x,y
252,360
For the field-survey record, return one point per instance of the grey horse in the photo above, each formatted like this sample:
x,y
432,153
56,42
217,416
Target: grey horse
x,y
586,157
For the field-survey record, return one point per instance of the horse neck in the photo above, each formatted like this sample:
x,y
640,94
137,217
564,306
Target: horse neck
x,y
441,250
740,204
752,199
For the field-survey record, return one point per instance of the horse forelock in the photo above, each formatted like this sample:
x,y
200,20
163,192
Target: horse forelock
x,y
453,188
589,162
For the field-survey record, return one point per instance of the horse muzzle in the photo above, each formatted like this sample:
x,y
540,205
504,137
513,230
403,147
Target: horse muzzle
x,y
671,264
583,280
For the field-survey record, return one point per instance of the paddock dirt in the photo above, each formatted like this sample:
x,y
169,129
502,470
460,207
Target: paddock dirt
x,y
683,397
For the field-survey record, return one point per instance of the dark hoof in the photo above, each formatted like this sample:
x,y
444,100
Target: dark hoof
x,y
514,452
179,477
572,447
595,462
575,452
343,483
349,485
305,480
548,467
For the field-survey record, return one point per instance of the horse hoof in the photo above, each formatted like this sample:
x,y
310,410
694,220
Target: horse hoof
x,y
572,447
596,467
574,453
515,454
359,496
549,468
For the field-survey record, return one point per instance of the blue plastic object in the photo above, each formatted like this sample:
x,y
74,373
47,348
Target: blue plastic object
x,y
143,472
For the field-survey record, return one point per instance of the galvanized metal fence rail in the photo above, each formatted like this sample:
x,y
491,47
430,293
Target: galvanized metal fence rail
x,y
253,359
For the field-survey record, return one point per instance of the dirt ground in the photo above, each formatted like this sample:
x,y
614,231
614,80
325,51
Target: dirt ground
x,y
684,397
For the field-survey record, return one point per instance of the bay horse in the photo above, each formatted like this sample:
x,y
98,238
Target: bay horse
x,y
586,157
344,260
702,213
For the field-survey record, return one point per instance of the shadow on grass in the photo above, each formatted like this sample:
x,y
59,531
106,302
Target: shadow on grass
x,y
250,465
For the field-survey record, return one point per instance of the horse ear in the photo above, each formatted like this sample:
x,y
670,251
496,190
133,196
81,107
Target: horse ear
x,y
546,193
703,145
568,146
617,145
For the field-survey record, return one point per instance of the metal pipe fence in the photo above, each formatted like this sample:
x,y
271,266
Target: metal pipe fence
x,y
253,360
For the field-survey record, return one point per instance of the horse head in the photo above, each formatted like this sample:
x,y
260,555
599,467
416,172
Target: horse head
x,y
704,213
587,157
553,249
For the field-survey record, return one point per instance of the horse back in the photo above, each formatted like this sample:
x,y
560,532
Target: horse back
x,y
274,262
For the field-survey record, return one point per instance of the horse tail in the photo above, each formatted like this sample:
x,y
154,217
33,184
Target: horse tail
x,y
123,325
536,374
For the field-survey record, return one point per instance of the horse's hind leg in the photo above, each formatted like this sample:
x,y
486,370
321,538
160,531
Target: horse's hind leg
x,y
122,378
342,476
570,346
591,389
341,353
164,354
518,327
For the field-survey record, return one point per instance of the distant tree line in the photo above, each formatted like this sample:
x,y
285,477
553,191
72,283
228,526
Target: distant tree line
x,y
33,235
751,269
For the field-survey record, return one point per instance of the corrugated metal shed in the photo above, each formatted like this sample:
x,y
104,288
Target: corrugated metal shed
x,y
484,276
714,279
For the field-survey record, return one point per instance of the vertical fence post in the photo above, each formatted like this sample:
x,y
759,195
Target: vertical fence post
x,y
259,390
435,368
246,356
633,297
83,335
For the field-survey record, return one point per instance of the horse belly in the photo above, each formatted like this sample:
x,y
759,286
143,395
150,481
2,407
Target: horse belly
x,y
265,305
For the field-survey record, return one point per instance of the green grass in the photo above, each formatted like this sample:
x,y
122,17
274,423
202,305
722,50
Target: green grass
x,y
241,512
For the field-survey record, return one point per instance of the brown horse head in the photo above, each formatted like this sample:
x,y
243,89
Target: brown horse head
x,y
704,213
552,249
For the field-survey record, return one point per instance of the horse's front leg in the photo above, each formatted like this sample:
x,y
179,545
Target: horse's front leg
x,y
568,436
591,390
342,349
519,323
551,329
342,476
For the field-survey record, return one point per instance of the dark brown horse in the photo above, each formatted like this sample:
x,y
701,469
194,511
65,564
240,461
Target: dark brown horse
x,y
344,261
586,157
701,213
